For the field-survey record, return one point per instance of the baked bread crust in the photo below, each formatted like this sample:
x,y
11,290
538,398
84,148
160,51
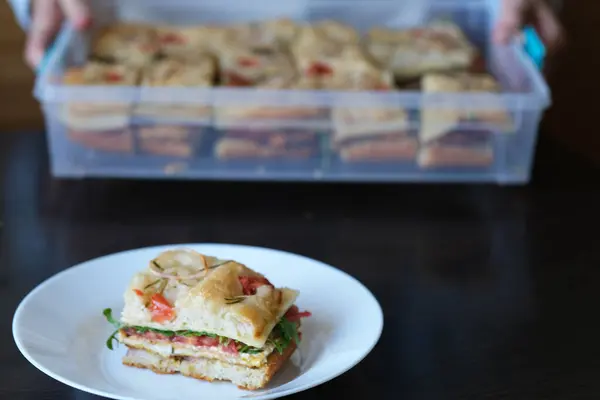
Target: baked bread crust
x,y
94,73
128,43
188,43
203,306
410,53
205,369
438,155
438,121
172,72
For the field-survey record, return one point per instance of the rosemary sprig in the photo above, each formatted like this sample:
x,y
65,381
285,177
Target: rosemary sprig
x,y
219,264
152,284
235,299
196,333
162,286
157,266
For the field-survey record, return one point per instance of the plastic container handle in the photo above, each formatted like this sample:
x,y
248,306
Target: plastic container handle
x,y
534,46
47,55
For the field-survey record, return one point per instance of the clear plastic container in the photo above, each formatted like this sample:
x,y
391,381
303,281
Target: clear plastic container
x,y
187,133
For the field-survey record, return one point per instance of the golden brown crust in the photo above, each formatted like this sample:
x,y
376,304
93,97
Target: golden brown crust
x,y
73,76
151,368
336,31
175,141
112,141
437,122
188,43
170,72
273,34
94,73
337,65
275,362
440,46
243,65
130,43
349,123
203,305
436,155
394,149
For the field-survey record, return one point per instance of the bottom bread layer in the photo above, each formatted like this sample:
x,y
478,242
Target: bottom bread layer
x,y
455,156
120,140
210,370
386,149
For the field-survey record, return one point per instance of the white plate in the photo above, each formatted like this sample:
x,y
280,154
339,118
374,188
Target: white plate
x,y
60,329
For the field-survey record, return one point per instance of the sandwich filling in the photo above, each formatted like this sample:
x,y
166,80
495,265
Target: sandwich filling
x,y
186,343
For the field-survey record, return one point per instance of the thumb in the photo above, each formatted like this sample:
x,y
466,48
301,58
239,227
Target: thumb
x,y
45,22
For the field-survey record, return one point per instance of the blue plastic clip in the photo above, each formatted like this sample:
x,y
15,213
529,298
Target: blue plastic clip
x,y
47,55
534,47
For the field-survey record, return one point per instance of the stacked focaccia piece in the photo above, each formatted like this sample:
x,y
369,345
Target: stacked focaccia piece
x,y
282,54
207,318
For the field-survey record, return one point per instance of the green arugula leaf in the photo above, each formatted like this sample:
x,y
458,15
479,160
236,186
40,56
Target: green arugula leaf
x,y
249,350
280,344
166,333
108,315
196,333
285,331
289,330
144,329
109,341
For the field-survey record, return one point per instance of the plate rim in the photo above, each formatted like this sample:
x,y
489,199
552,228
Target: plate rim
x,y
27,298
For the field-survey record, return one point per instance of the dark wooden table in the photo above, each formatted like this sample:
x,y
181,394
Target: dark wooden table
x,y
488,292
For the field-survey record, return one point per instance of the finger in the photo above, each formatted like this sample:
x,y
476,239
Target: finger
x,y
45,21
77,11
512,14
548,26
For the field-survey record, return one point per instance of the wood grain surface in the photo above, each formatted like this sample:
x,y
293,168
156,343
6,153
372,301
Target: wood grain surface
x,y
488,292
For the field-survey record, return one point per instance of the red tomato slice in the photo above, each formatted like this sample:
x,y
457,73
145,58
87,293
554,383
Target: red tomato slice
x,y
233,79
155,336
250,284
294,314
148,48
319,69
138,292
172,38
160,308
247,62
205,341
113,77
182,339
230,347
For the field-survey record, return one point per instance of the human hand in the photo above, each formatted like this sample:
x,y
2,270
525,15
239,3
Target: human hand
x,y
515,14
47,17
